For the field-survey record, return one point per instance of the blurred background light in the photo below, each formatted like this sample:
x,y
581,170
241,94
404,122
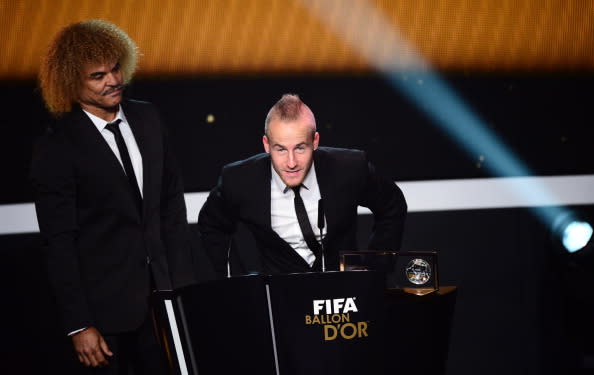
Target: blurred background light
x,y
285,36
386,48
572,232
576,235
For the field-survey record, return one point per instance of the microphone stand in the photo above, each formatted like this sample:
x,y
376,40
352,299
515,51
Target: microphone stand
x,y
229,258
321,228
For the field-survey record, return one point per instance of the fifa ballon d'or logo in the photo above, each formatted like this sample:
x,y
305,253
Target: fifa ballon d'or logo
x,y
334,315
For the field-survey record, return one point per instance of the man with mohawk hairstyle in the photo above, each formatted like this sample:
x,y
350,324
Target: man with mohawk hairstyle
x,y
278,194
109,201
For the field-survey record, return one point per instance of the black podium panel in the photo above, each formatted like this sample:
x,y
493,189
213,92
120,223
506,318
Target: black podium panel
x,y
230,319
328,323
417,329
298,324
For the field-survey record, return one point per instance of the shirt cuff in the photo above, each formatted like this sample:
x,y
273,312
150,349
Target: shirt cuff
x,y
77,331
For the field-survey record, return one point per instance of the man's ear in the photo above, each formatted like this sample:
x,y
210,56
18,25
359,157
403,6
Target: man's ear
x,y
316,140
266,144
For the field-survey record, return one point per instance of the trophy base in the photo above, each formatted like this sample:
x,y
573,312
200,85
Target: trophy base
x,y
419,291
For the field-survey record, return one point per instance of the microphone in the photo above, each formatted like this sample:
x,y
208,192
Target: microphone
x,y
229,258
321,228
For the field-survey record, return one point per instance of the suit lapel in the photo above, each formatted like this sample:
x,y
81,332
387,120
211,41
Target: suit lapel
x,y
139,130
263,193
326,179
91,142
86,135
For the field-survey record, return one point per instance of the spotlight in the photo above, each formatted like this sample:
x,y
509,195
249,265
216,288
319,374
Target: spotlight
x,y
572,232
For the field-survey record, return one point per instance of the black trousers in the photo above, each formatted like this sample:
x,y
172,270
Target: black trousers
x,y
137,352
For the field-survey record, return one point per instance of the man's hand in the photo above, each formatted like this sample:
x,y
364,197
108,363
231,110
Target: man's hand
x,y
91,348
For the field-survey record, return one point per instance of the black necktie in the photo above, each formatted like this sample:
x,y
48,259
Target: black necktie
x,y
304,224
114,127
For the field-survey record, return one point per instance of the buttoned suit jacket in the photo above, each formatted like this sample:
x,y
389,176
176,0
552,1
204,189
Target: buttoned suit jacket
x,y
97,244
346,180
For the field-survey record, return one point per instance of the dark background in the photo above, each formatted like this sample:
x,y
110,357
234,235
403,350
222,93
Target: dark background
x,y
522,307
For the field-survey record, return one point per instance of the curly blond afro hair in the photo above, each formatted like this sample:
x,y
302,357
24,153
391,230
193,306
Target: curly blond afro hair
x,y
75,46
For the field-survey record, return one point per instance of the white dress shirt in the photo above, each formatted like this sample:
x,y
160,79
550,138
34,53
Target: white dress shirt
x,y
283,217
129,140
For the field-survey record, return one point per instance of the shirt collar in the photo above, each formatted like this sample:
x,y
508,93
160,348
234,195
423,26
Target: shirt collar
x,y
100,123
309,181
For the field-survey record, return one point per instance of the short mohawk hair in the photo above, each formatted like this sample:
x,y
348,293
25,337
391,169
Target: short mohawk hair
x,y
288,108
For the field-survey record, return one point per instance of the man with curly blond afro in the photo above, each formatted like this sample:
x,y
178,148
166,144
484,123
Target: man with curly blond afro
x,y
109,201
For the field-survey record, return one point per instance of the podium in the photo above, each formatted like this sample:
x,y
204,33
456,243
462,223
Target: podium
x,y
311,323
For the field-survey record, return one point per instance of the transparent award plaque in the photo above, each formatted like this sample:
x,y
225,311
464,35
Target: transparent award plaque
x,y
411,271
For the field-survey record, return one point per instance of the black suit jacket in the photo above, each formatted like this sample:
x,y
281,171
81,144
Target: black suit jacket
x,y
98,245
345,178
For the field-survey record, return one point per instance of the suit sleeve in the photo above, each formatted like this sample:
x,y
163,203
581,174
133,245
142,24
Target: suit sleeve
x,y
388,205
54,182
174,223
217,224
